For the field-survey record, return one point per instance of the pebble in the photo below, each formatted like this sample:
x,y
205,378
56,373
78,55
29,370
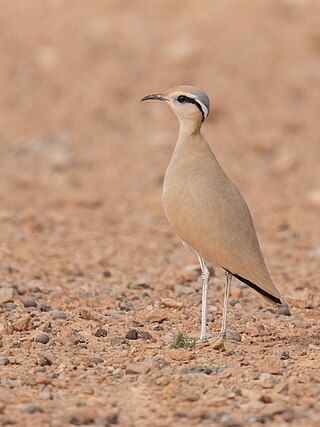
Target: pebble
x,y
30,408
180,354
156,327
157,316
284,310
4,361
126,306
23,324
144,335
45,307
36,289
6,295
283,354
9,306
82,416
270,364
46,359
267,380
95,361
106,273
138,368
45,394
132,334
171,303
101,333
118,341
112,418
43,338
30,302
57,314
141,282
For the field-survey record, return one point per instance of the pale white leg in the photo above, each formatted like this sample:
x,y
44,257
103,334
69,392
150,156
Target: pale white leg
x,y
205,276
223,332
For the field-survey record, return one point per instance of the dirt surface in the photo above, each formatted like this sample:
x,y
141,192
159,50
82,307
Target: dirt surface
x,y
86,254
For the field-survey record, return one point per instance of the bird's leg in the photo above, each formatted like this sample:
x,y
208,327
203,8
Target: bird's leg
x,y
223,332
205,276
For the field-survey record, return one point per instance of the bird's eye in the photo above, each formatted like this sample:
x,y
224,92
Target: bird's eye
x,y
181,99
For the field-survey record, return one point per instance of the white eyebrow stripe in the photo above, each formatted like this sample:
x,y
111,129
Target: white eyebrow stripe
x,y
204,108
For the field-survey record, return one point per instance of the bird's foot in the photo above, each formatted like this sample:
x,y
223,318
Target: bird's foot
x,y
202,341
219,343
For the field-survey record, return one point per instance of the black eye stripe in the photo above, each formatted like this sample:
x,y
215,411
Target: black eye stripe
x,y
191,101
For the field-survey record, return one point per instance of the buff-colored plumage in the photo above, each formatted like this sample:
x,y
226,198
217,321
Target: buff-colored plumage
x,y
201,203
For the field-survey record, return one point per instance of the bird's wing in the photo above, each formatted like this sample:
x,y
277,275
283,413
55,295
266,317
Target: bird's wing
x,y
208,212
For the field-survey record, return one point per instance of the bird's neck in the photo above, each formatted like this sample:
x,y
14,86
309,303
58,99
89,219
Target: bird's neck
x,y
189,127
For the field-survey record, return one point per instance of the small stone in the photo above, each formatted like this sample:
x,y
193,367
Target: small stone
x,y
85,314
283,354
284,310
180,354
100,333
126,306
270,364
265,398
57,314
41,378
82,416
75,271
45,307
112,418
36,289
43,338
6,295
138,368
288,415
95,361
144,335
45,394
4,361
9,306
132,334
30,302
46,359
157,316
156,327
30,408
171,303
233,336
24,324
106,273
118,341
267,380
142,282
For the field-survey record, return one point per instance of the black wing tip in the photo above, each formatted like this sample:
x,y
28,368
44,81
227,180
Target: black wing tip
x,y
252,285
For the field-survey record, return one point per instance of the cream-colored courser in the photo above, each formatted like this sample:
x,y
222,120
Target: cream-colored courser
x,y
206,209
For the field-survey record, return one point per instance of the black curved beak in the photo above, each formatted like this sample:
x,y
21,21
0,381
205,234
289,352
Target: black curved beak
x,y
156,96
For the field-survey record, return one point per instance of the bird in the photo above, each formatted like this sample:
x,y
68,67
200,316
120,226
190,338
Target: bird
x,y
206,210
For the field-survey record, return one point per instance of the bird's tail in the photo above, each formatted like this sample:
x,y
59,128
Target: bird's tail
x,y
264,295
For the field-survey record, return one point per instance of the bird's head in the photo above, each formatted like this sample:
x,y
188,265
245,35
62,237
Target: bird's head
x,y
190,104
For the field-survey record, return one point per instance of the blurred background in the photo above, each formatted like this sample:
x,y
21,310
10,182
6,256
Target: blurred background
x,y
86,253
82,161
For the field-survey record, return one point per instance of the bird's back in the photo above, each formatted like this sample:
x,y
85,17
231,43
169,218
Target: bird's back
x,y
208,213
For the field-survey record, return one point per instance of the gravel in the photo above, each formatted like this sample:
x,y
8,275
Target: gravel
x,y
43,338
57,314
29,302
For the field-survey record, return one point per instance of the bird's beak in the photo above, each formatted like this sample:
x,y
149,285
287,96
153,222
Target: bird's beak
x,y
157,96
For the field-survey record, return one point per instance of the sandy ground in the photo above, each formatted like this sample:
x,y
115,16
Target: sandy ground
x,y
86,253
